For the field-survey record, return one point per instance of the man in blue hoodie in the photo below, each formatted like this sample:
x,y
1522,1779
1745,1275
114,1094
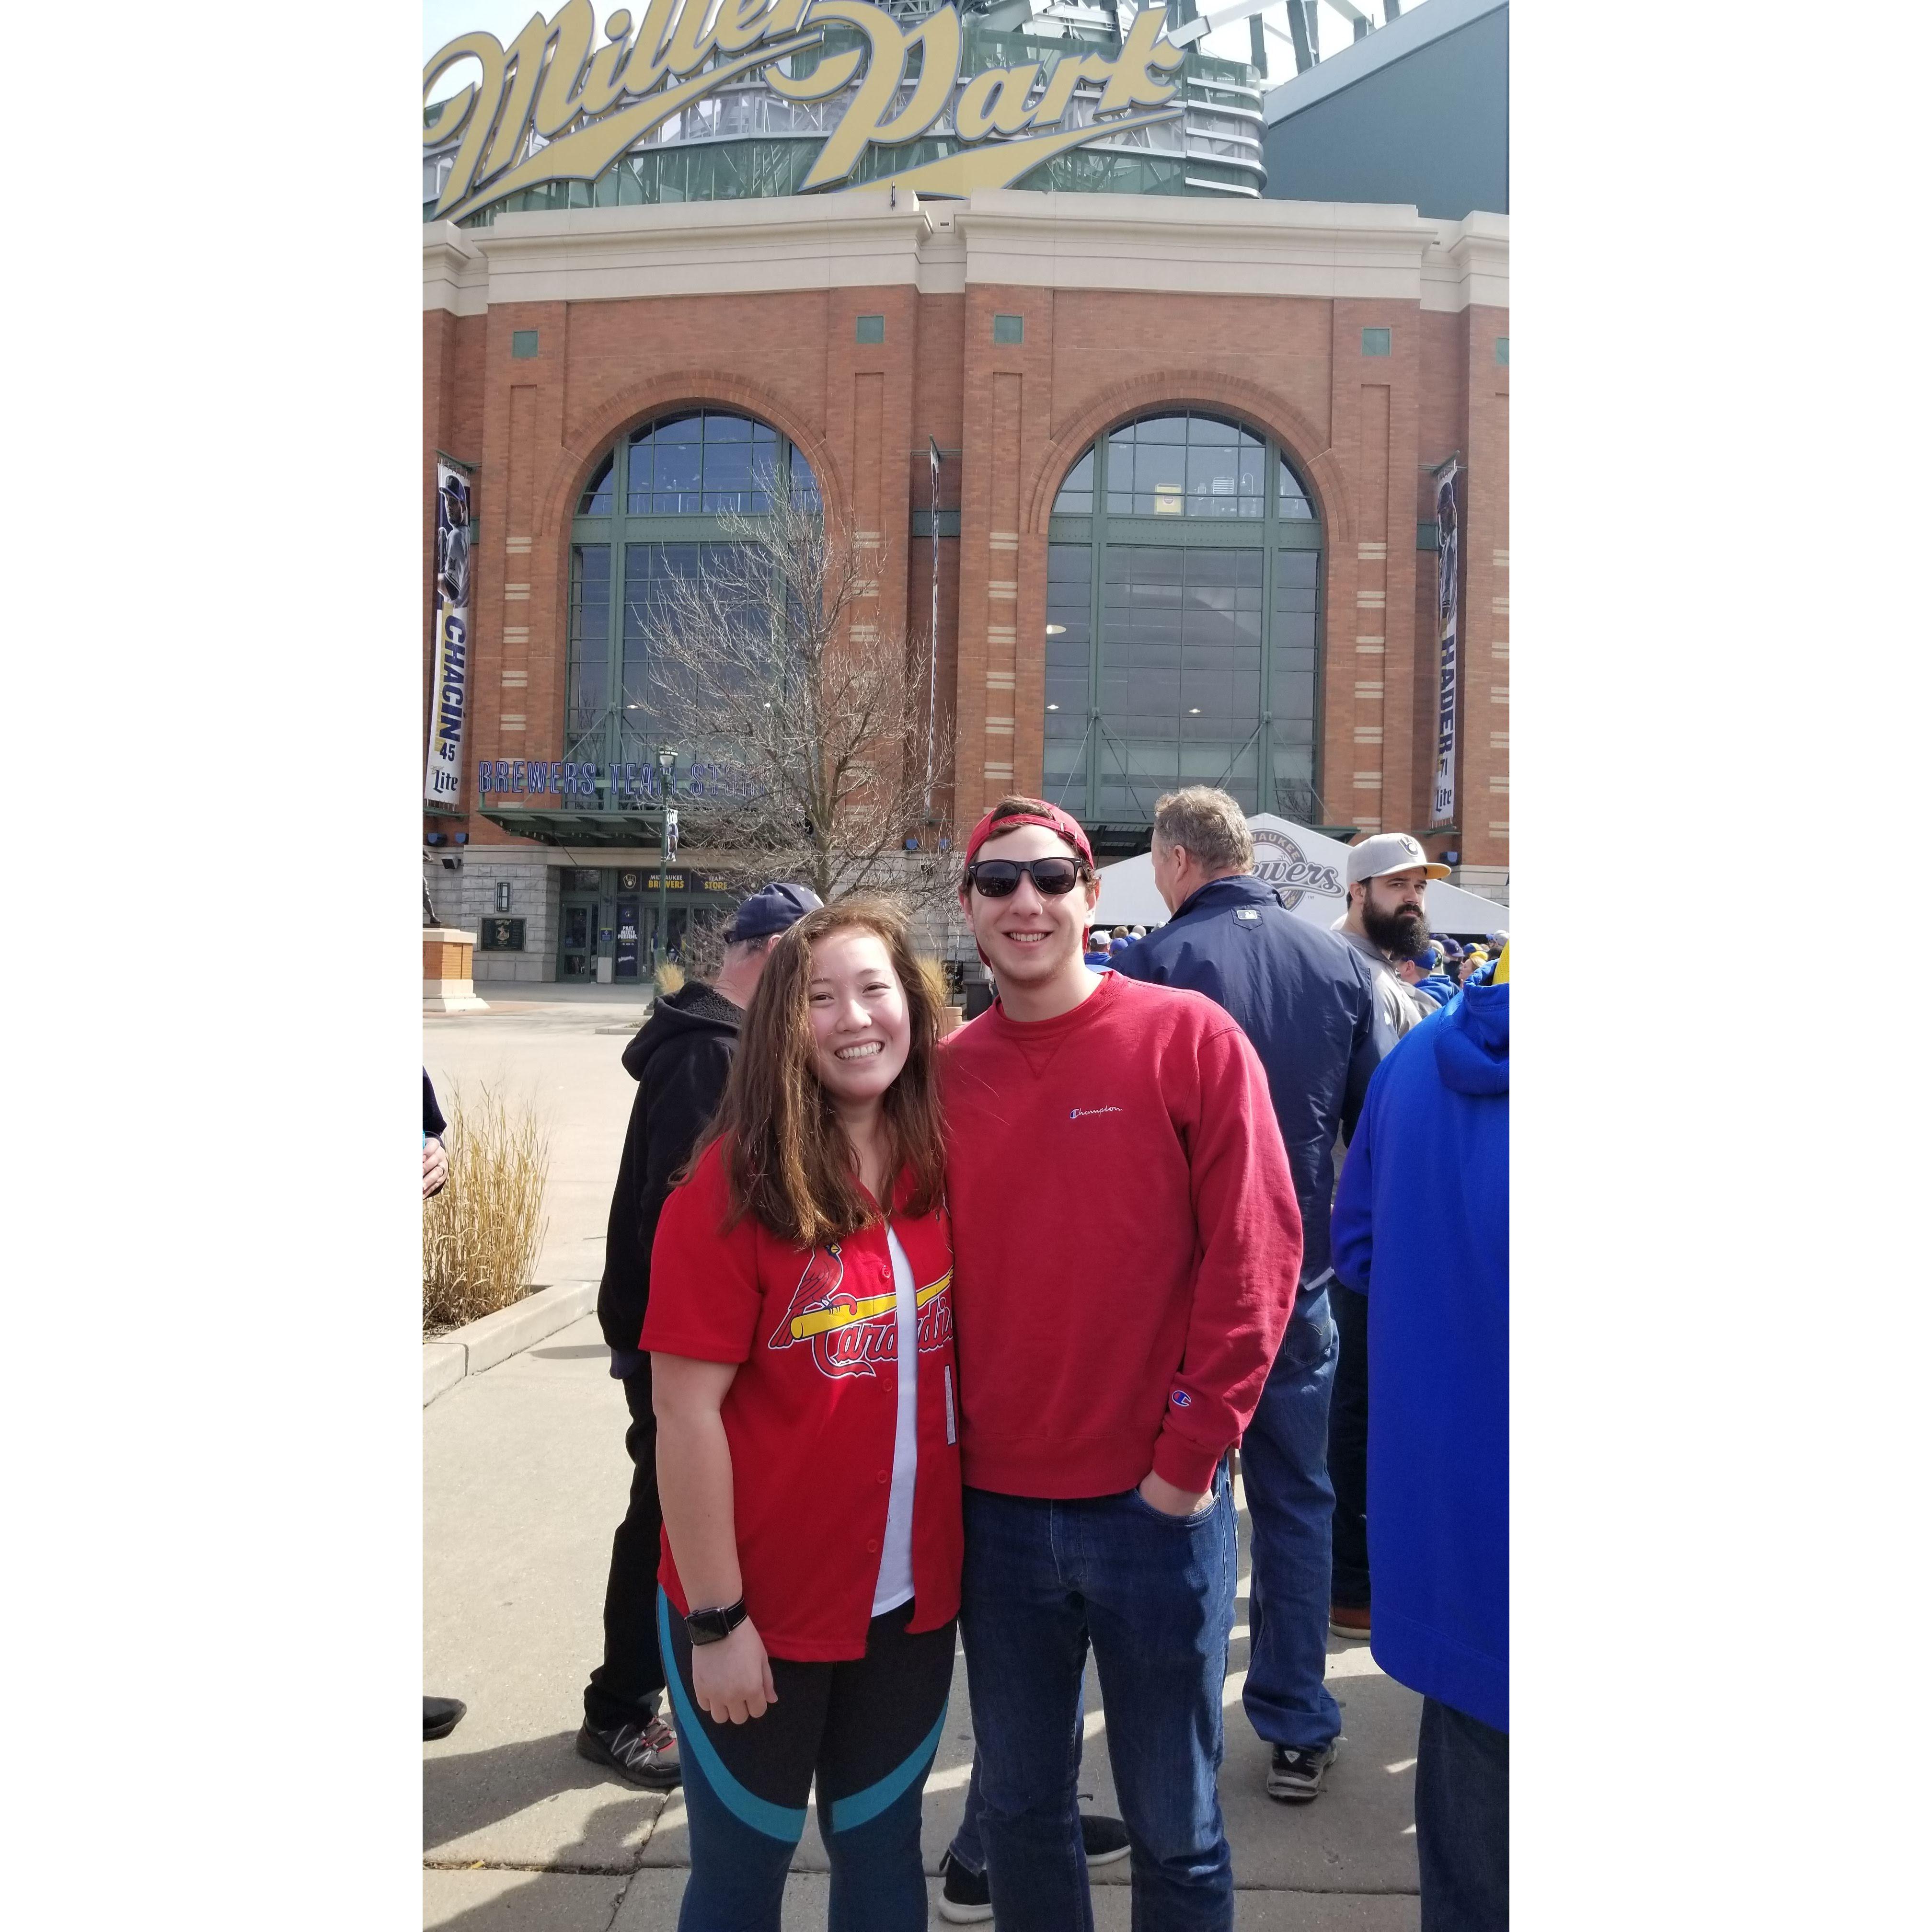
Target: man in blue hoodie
x,y
1421,1228
1308,1004
1434,980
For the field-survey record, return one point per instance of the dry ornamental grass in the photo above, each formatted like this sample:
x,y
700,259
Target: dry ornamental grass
x,y
481,1234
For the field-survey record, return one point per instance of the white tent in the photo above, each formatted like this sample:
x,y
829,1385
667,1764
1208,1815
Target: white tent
x,y
1306,869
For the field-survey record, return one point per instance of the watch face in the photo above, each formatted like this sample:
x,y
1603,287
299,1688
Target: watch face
x,y
714,1626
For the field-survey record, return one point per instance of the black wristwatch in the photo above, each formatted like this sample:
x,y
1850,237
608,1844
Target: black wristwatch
x,y
715,1626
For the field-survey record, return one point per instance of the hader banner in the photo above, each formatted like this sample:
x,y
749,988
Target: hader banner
x,y
449,680
1448,571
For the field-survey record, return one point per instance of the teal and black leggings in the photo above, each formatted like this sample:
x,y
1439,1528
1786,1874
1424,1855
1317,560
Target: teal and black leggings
x,y
867,1730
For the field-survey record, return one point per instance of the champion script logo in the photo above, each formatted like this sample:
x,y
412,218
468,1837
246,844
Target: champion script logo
x,y
1079,1113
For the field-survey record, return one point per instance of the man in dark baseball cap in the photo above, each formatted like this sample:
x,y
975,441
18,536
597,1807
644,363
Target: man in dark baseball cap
x,y
679,1060
769,911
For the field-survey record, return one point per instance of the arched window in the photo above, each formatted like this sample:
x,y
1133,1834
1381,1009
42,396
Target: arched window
x,y
653,506
1184,582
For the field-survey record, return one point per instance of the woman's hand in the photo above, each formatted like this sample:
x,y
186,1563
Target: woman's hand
x,y
732,1680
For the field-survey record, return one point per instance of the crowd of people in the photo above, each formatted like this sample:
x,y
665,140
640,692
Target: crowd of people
x,y
928,1334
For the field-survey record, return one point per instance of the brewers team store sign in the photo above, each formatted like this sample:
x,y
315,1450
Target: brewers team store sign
x,y
550,107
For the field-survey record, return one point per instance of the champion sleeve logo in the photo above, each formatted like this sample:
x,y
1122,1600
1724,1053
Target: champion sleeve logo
x,y
1083,1113
1181,1399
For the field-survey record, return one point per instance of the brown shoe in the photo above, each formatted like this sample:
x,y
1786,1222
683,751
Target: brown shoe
x,y
1345,1620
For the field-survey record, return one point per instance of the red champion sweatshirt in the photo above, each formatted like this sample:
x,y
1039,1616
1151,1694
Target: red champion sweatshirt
x,y
1125,1241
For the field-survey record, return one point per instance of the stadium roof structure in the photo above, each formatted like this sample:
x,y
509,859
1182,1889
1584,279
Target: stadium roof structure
x,y
1415,111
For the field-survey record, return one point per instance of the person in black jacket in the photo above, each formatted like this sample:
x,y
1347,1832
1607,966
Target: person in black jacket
x,y
1308,1004
679,1060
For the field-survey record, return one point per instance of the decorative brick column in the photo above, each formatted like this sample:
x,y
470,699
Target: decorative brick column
x,y
447,957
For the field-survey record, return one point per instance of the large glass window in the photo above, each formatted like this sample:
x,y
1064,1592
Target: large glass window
x,y
1195,465
650,512
589,693
1183,577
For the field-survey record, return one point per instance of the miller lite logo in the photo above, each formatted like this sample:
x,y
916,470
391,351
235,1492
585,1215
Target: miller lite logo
x,y
1280,863
848,1332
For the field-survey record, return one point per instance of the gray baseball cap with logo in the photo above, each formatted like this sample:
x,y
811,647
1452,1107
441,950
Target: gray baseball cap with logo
x,y
1390,852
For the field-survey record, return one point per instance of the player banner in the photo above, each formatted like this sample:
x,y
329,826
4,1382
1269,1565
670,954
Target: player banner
x,y
1448,560
449,676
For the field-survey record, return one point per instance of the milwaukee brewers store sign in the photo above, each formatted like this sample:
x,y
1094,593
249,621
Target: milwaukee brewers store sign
x,y
550,107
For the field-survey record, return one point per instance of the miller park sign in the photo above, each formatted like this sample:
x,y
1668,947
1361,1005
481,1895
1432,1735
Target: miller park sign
x,y
551,106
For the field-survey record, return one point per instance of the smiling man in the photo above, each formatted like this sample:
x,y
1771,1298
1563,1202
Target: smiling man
x,y
1126,1242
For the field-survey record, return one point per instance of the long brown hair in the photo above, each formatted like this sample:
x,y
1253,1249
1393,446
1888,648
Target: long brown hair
x,y
787,1163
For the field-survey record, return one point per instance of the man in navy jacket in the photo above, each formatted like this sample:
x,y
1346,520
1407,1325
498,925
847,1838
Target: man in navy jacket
x,y
1422,1228
1307,1003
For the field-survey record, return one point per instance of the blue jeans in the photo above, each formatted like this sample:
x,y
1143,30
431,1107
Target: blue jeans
x,y
1461,1821
1348,1448
1285,1473
966,1848
1154,1596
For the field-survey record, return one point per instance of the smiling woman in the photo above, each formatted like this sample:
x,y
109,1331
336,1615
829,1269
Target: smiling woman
x,y
859,1020
800,1333
845,975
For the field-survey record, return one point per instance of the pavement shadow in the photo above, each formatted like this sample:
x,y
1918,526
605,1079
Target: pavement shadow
x,y
469,1792
580,1895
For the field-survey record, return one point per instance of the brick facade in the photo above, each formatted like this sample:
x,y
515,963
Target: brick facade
x,y
1363,429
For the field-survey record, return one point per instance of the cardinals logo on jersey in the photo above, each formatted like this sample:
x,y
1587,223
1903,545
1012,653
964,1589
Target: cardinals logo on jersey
x,y
849,1333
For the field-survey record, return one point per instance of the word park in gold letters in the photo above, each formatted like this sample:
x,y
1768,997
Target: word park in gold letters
x,y
550,107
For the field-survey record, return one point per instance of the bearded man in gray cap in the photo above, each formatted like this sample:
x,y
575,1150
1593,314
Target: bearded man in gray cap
x,y
1388,920
679,1060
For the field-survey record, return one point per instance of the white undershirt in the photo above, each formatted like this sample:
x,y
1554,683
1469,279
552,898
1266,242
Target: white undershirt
x,y
894,1584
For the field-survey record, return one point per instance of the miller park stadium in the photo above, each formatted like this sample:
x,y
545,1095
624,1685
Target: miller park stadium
x,y
1159,398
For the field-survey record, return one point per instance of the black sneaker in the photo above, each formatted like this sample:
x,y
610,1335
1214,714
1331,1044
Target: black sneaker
x,y
964,1897
1294,1777
1105,1839
441,1715
644,1754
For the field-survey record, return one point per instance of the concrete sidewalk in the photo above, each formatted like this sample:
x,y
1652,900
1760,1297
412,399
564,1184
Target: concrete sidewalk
x,y
524,1479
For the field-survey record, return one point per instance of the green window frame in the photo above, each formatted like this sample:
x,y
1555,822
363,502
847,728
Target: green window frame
x,y
639,518
871,328
1104,759
523,343
1376,341
1009,329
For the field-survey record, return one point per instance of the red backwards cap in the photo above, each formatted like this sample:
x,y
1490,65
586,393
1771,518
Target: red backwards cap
x,y
1051,817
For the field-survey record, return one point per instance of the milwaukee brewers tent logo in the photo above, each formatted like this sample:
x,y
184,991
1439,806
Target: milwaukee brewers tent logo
x,y
1281,863
849,1332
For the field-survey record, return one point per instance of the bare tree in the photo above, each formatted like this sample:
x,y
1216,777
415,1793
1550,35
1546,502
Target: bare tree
x,y
803,707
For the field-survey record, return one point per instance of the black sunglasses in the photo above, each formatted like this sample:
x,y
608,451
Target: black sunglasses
x,y
999,878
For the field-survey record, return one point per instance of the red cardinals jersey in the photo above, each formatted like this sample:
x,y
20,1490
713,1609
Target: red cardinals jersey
x,y
811,1414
